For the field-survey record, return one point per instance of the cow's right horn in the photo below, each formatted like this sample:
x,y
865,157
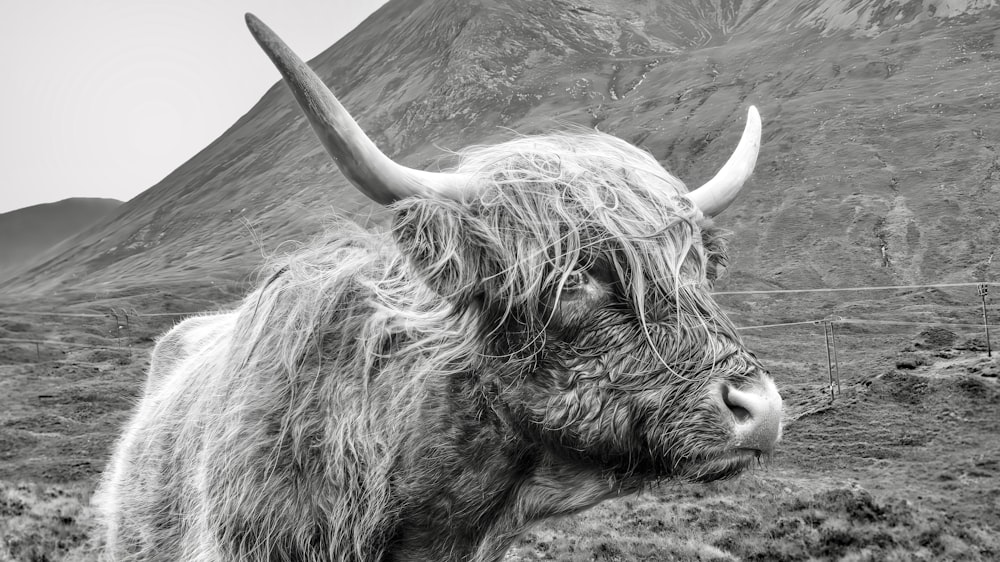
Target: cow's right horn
x,y
717,193
371,171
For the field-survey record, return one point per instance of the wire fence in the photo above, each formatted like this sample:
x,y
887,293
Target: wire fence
x,y
108,314
123,320
847,289
58,342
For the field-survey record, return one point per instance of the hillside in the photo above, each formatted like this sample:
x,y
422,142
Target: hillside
x,y
26,233
880,127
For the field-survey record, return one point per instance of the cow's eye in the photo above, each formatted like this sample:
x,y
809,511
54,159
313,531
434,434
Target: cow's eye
x,y
575,281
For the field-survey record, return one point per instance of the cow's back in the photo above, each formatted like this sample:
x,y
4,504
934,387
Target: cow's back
x,y
179,343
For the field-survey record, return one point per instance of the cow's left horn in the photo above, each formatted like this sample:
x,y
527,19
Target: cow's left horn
x,y
371,171
713,197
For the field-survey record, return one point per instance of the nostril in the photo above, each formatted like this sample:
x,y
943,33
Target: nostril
x,y
739,412
756,411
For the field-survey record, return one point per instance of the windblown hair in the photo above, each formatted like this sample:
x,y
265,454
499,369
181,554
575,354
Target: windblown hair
x,y
549,205
324,379
300,432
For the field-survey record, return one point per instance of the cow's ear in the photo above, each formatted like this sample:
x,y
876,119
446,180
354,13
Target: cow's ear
x,y
451,250
715,242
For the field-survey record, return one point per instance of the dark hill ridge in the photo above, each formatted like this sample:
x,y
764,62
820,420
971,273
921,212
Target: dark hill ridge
x,y
27,233
881,125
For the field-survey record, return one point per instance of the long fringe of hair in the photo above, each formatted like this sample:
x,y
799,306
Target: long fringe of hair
x,y
563,202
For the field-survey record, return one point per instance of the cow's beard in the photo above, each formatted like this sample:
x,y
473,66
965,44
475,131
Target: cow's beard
x,y
701,455
721,467
707,467
694,446
607,412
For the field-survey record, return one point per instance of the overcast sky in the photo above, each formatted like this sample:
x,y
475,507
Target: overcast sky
x,y
103,98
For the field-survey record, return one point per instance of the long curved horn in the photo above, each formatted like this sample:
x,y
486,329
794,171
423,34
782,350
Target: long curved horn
x,y
371,171
717,193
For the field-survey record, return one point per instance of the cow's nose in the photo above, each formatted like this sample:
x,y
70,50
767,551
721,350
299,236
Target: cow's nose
x,y
756,411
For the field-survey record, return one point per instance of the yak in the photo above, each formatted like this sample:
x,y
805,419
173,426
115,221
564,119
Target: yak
x,y
532,335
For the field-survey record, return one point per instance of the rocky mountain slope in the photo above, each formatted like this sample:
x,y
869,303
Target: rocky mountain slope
x,y
881,126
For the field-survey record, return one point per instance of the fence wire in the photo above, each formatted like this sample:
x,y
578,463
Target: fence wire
x,y
122,315
847,289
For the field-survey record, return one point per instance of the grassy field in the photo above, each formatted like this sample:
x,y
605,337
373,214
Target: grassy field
x,y
903,465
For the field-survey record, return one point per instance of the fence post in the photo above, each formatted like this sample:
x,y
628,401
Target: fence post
x,y
128,333
118,328
829,360
836,360
984,289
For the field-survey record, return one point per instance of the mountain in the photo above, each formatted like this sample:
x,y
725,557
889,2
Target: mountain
x,y
26,233
881,127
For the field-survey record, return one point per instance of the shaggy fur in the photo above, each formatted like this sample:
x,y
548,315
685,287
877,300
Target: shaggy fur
x,y
429,393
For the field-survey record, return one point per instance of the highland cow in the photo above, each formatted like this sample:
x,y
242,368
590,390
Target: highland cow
x,y
534,335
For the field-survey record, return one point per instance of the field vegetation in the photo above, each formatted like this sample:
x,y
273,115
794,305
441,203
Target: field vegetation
x,y
903,465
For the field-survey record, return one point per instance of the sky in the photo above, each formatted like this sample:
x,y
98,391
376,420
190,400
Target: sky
x,y
104,98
